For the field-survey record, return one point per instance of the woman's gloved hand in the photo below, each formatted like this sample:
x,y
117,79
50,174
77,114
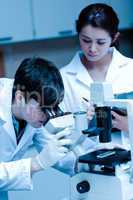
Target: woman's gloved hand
x,y
90,109
54,150
90,112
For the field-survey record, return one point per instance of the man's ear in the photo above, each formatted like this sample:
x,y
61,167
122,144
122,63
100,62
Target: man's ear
x,y
116,36
19,97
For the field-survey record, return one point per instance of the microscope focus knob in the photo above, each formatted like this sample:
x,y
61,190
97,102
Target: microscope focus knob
x,y
83,187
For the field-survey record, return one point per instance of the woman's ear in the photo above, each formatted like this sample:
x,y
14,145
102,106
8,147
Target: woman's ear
x,y
19,97
116,36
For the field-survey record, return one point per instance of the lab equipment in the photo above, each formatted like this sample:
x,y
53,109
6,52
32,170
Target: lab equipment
x,y
107,172
60,122
81,122
71,123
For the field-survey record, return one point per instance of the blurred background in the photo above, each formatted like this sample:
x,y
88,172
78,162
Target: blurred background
x,y
46,28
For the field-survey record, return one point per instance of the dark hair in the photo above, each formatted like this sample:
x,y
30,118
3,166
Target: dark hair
x,y
98,15
41,80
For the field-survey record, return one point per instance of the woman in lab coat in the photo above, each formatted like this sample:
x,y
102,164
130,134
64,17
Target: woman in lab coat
x,y
27,102
98,60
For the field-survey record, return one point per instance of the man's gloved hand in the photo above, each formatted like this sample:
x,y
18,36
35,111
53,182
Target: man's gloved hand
x,y
54,150
83,145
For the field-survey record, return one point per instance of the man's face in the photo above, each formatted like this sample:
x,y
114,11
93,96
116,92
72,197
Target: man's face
x,y
33,114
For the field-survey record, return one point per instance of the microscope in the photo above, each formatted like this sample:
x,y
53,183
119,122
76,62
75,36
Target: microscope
x,y
107,172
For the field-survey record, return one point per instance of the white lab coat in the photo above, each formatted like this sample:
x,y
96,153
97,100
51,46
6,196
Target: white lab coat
x,y
19,177
15,175
77,84
77,80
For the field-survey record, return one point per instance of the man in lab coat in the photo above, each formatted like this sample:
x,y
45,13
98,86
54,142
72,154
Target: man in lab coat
x,y
26,104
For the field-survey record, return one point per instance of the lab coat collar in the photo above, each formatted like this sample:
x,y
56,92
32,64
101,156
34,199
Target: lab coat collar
x,y
28,133
7,124
75,65
118,61
119,58
77,69
1,122
6,117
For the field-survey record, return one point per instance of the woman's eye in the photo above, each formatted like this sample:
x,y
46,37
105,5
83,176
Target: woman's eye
x,y
101,43
86,41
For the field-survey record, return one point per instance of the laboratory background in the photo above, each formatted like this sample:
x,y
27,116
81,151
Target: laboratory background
x,y
46,28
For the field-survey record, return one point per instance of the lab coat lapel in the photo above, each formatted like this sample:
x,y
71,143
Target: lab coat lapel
x,y
26,138
1,122
118,61
83,76
5,109
8,125
79,71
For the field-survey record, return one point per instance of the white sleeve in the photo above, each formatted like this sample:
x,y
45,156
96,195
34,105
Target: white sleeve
x,y
16,175
67,164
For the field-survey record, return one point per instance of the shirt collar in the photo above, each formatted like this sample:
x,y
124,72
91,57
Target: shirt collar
x,y
75,64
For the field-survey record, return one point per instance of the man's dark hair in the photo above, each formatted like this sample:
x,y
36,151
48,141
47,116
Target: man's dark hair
x,y
39,79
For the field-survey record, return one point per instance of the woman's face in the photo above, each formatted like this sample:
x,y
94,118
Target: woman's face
x,y
94,42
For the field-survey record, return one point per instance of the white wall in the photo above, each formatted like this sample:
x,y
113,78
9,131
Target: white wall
x,y
59,51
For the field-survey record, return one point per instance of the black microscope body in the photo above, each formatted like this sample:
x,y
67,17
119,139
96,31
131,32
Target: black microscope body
x,y
105,158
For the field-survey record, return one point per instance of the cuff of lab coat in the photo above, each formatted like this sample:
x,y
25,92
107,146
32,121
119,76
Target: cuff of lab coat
x,y
26,173
16,175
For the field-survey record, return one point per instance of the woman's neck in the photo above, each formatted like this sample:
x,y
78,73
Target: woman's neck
x,y
98,69
100,64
